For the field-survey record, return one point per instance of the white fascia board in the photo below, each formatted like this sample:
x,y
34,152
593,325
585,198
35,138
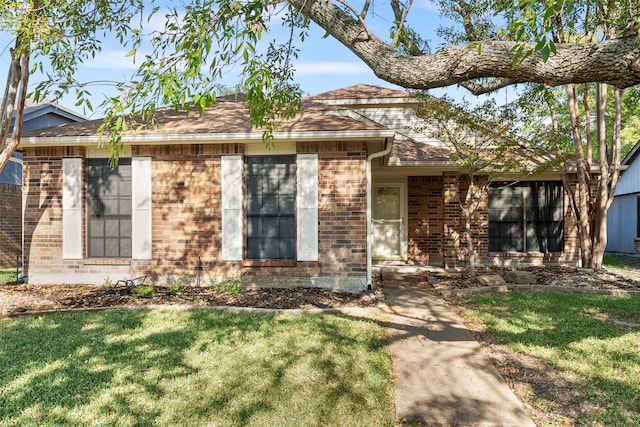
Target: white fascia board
x,y
393,161
208,138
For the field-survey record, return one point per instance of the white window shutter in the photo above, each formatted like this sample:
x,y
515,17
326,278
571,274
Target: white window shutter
x,y
231,187
71,208
307,206
141,202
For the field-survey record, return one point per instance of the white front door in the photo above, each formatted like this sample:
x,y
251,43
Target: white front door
x,y
388,222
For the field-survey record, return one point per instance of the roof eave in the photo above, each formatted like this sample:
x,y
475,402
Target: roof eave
x,y
399,163
208,138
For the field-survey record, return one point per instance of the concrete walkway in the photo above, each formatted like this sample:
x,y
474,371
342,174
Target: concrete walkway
x,y
441,374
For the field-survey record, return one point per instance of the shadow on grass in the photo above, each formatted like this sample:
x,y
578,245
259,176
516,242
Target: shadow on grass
x,y
598,360
144,367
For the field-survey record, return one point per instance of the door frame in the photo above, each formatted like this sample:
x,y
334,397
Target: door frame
x,y
403,217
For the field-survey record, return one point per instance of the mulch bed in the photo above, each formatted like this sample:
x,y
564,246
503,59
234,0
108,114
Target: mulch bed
x,y
23,298
568,277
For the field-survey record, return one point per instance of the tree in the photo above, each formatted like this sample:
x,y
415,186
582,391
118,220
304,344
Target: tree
x,y
587,148
60,35
203,38
596,146
483,146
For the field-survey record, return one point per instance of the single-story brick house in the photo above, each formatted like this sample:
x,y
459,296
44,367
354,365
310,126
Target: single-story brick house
x,y
346,185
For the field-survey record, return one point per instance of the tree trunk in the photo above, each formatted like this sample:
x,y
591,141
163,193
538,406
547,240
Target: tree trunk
x,y
582,193
15,92
467,209
609,172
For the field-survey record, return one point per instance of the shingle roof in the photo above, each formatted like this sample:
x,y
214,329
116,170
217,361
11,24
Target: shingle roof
x,y
361,91
227,115
408,151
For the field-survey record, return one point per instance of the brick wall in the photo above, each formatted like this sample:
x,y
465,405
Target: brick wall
x,y
425,219
342,207
186,213
10,224
42,201
187,217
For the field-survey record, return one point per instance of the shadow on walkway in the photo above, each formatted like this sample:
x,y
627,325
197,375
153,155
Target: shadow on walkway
x,y
441,373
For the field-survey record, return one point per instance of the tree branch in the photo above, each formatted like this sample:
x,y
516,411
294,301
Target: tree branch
x,y
488,87
614,61
401,17
466,20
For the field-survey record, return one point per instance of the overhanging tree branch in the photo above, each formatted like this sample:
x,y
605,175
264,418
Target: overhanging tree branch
x,y
616,62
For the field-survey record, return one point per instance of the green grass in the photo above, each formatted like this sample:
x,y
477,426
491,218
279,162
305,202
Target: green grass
x,y
8,275
569,332
203,367
617,261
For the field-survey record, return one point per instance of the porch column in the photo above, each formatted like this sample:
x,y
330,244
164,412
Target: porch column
x,y
453,225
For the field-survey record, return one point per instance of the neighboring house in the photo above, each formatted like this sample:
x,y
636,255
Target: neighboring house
x,y
623,219
35,116
346,185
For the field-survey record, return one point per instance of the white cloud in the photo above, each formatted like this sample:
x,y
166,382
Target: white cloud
x,y
331,67
426,5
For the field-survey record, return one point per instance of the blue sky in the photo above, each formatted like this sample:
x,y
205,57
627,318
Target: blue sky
x,y
323,63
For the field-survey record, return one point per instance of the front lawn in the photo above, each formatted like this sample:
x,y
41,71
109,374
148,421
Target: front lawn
x,y
200,367
592,342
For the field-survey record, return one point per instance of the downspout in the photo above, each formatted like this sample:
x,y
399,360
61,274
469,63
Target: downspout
x,y
370,158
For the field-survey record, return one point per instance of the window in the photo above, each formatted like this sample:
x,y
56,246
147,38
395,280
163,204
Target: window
x,y
109,208
270,207
526,217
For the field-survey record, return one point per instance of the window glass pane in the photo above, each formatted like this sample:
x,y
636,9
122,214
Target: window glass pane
x,y
125,228
286,205
270,227
96,227
387,203
270,207
109,208
287,248
125,248
111,247
124,207
96,247
112,228
287,227
539,203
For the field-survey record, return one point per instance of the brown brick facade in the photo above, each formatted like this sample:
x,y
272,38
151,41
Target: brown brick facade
x,y
42,201
342,206
425,219
10,225
436,233
186,217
